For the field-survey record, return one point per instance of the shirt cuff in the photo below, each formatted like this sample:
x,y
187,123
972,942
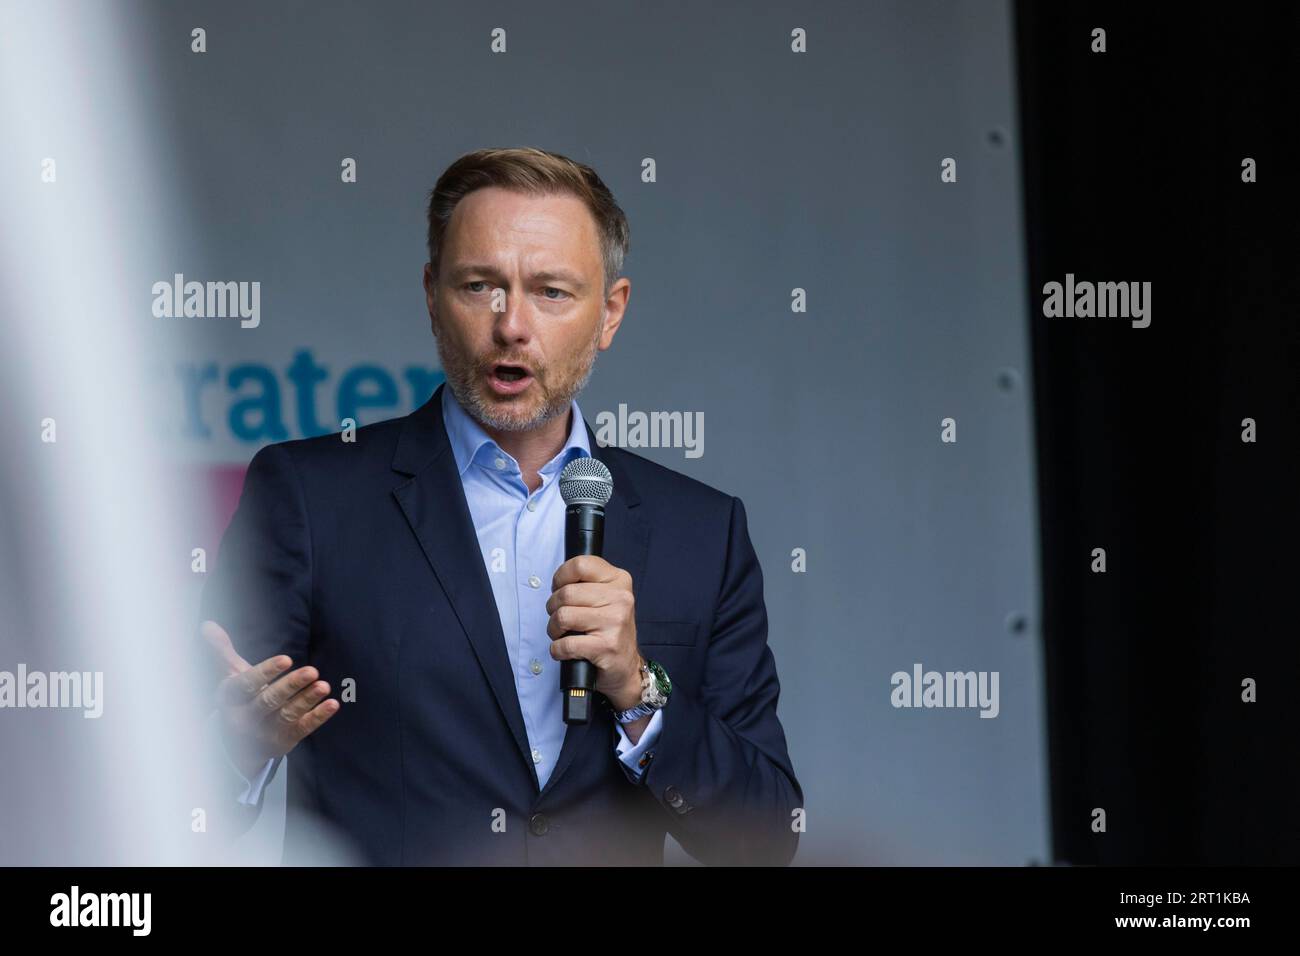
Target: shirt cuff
x,y
253,789
636,758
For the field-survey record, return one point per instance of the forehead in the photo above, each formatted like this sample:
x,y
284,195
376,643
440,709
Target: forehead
x,y
493,222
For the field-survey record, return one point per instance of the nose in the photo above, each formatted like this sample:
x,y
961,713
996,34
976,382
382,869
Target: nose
x,y
514,325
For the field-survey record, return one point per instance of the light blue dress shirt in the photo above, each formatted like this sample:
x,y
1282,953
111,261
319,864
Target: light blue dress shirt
x,y
521,537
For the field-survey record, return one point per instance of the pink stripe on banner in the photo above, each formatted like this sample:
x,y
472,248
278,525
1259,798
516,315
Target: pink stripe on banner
x,y
226,482
215,491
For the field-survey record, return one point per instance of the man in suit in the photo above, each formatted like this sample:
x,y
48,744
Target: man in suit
x,y
420,569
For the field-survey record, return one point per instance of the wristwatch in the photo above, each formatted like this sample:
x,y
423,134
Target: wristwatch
x,y
655,690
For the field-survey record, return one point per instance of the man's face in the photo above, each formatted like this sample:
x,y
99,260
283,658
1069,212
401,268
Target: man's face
x,y
538,259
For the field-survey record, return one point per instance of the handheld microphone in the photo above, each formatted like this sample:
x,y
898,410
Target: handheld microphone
x,y
586,486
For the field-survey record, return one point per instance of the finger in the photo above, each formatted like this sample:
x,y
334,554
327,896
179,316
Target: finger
x,y
242,687
312,721
583,567
578,647
582,594
219,641
576,620
275,696
304,701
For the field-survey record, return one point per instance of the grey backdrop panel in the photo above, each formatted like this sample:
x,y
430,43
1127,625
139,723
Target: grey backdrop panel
x,y
776,171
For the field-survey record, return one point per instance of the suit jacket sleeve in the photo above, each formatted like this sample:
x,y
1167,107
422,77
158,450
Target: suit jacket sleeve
x,y
260,590
721,769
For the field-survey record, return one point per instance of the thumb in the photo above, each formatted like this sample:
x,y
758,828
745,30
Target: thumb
x,y
219,641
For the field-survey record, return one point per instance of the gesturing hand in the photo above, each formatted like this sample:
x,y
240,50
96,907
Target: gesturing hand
x,y
265,711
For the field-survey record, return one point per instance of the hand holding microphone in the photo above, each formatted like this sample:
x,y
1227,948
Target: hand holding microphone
x,y
592,608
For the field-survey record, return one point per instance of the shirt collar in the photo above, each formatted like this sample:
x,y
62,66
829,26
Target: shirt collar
x,y
469,442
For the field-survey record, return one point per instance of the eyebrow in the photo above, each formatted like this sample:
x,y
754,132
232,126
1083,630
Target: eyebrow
x,y
547,275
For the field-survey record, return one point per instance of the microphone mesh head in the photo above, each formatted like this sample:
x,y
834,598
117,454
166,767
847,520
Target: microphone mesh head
x,y
586,480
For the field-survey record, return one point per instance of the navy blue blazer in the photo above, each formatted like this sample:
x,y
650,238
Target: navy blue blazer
x,y
361,559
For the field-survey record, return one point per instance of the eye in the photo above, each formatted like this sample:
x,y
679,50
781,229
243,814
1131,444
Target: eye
x,y
475,282
551,288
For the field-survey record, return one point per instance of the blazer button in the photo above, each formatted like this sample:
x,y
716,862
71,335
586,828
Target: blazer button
x,y
674,797
538,824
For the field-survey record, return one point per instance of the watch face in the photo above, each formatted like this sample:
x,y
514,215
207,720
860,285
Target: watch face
x,y
661,677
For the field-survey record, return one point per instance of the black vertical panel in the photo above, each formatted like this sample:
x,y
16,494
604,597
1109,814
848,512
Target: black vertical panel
x,y
1132,164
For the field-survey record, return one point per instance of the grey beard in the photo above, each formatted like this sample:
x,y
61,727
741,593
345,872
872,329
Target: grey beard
x,y
463,391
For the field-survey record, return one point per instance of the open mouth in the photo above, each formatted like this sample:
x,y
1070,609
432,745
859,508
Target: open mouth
x,y
509,379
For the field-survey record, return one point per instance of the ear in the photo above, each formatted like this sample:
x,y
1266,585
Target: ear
x,y
615,309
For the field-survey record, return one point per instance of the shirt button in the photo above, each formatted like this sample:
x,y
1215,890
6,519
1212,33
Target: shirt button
x,y
535,666
534,582
538,824
500,463
537,755
532,504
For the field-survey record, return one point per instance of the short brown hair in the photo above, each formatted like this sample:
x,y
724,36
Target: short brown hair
x,y
538,173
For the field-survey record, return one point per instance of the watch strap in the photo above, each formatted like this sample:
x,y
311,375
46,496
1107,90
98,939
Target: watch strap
x,y
652,696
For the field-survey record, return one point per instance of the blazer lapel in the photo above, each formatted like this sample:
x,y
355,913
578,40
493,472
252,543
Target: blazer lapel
x,y
433,501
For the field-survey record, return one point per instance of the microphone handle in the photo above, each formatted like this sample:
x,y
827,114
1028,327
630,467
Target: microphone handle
x,y
584,533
